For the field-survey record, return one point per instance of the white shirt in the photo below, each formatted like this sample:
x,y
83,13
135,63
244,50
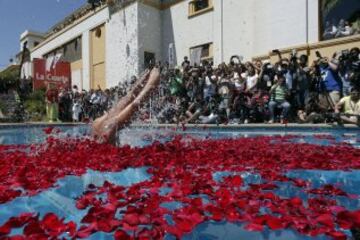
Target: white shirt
x,y
251,81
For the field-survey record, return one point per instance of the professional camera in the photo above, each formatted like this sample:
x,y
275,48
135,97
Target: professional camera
x,y
293,55
268,68
350,59
355,58
321,61
350,64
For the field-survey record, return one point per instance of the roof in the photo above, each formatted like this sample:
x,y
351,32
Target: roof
x,y
78,13
31,33
86,9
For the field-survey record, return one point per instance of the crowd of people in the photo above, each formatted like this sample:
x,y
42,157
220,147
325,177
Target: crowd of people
x,y
239,92
82,106
341,29
257,92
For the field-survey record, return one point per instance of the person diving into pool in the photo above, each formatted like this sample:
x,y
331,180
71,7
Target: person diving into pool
x,y
105,127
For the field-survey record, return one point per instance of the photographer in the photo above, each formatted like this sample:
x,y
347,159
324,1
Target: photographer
x,y
354,73
330,82
266,77
349,69
302,76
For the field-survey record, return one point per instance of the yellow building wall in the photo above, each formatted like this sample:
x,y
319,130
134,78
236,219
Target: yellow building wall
x,y
97,57
326,49
77,65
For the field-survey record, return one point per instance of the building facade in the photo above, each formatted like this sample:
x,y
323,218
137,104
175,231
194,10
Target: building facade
x,y
120,38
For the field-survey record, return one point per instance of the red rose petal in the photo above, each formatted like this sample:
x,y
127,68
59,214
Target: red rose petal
x,y
121,235
254,227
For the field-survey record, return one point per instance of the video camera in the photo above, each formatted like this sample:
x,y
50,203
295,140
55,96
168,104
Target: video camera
x,y
321,61
351,58
293,55
350,63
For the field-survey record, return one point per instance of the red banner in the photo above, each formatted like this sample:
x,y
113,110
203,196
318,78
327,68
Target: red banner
x,y
47,71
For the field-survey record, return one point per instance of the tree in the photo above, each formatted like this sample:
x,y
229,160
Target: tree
x,y
328,5
9,78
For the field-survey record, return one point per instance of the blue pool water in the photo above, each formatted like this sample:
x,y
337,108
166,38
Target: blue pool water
x,y
138,136
60,199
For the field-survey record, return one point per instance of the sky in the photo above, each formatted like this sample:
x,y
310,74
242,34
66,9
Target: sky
x,y
16,16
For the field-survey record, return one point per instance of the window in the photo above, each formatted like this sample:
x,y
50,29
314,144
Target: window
x,y
149,59
201,53
98,32
36,43
197,7
339,18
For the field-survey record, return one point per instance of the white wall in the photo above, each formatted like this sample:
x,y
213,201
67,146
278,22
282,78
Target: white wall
x,y
122,45
314,26
185,32
150,32
238,28
31,39
76,78
81,29
279,24
249,27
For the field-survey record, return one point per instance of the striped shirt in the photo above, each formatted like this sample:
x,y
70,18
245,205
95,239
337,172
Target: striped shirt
x,y
279,93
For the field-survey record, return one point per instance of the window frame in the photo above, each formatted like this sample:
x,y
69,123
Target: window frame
x,y
150,53
321,25
193,13
211,51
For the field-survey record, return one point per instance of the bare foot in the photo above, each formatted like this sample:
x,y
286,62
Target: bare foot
x,y
105,127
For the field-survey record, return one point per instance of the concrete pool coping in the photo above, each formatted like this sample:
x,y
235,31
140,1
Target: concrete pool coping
x,y
249,126
200,126
40,124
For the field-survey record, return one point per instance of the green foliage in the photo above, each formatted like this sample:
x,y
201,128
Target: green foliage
x,y
356,25
36,109
10,77
328,5
2,107
37,95
35,105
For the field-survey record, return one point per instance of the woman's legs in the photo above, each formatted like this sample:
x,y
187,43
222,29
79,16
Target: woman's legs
x,y
105,127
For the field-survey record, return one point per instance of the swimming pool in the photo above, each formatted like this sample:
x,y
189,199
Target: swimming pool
x,y
60,199
145,135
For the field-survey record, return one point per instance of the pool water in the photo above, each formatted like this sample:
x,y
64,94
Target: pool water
x,y
61,198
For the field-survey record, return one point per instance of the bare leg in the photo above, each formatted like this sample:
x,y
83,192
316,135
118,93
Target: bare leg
x,y
105,127
194,116
130,96
350,120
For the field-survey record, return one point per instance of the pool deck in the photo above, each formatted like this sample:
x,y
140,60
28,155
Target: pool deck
x,y
203,126
249,126
39,124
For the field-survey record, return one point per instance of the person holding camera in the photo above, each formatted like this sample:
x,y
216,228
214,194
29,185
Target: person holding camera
x,y
302,74
331,84
279,93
